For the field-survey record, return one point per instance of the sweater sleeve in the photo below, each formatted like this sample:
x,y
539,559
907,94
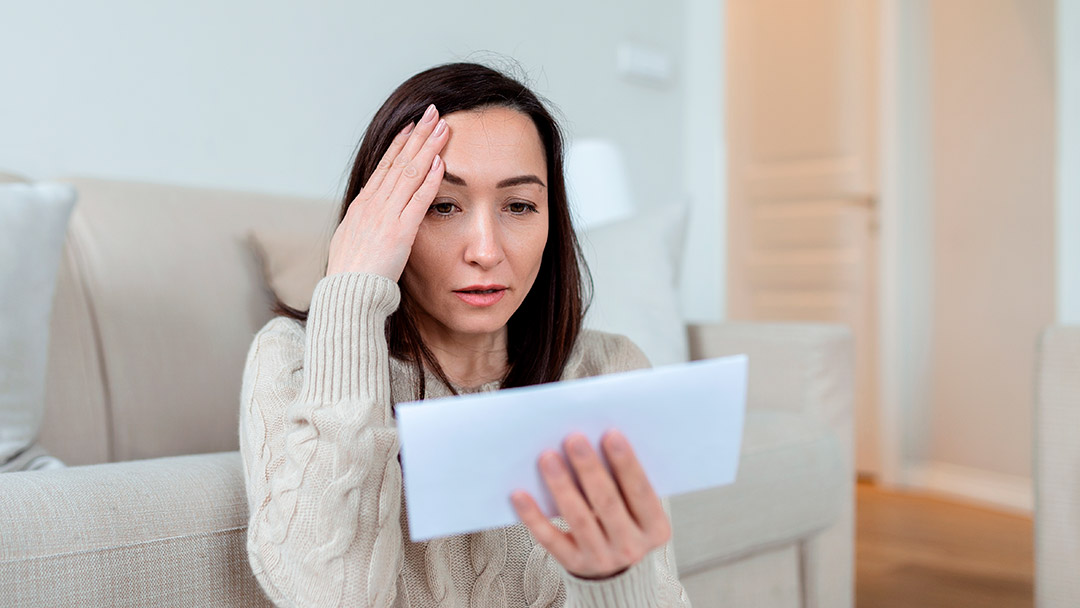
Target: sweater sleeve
x,y
654,581
319,449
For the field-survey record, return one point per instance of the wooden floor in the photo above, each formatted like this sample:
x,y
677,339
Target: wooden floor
x,y
914,551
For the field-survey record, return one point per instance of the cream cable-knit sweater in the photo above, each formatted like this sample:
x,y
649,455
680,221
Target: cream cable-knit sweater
x,y
319,445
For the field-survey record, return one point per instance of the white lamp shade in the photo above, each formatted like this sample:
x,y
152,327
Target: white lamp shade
x,y
597,184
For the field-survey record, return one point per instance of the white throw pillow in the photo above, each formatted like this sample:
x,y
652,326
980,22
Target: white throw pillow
x,y
33,225
635,268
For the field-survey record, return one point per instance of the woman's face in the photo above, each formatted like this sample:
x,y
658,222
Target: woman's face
x,y
478,250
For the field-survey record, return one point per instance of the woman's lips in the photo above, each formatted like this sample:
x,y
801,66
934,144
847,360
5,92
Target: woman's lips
x,y
481,298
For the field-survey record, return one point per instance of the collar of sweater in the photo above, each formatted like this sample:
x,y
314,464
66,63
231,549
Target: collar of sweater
x,y
403,378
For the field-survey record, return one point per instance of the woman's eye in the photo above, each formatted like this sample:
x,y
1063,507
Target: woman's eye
x,y
519,208
442,208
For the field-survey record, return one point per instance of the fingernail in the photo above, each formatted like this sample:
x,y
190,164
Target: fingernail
x,y
435,163
439,128
518,498
408,128
550,464
429,115
617,442
579,446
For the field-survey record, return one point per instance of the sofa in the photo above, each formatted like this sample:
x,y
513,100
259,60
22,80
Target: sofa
x,y
159,295
1057,468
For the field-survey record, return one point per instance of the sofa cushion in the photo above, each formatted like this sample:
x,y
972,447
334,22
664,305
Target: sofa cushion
x,y
160,532
33,224
790,484
635,270
773,579
76,427
173,300
291,263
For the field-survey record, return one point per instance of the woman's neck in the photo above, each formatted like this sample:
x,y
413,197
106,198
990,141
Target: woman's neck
x,y
468,360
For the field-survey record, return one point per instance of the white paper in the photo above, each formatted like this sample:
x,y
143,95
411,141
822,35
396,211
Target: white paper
x,y
463,456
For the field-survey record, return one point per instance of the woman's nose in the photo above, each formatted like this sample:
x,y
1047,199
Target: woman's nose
x,y
484,242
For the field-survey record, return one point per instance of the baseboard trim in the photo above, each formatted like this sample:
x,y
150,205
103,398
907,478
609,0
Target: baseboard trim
x,y
986,488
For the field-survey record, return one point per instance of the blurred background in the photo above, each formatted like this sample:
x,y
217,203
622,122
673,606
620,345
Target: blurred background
x,y
910,168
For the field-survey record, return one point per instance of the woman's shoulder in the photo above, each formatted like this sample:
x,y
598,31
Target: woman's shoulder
x,y
282,326
599,352
279,335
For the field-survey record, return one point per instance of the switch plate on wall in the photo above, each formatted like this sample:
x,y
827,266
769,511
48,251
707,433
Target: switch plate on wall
x,y
639,63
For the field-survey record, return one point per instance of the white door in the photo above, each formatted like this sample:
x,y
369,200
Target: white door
x,y
802,222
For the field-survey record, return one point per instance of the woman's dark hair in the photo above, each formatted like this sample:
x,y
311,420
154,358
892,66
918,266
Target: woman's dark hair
x,y
543,330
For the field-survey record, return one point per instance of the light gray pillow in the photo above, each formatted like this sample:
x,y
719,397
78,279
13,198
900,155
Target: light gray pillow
x,y
635,268
33,224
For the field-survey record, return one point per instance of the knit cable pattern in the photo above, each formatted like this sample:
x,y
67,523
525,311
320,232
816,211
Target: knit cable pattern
x,y
439,578
541,589
487,552
337,487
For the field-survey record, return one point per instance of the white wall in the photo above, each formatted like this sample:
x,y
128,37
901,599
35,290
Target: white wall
x,y
1068,161
968,231
993,188
273,96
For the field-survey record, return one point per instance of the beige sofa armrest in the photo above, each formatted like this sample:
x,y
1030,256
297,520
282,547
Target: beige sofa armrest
x,y
160,532
1057,468
804,367
809,368
800,395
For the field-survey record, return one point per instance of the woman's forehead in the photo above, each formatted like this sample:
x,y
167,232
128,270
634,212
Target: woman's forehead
x,y
491,145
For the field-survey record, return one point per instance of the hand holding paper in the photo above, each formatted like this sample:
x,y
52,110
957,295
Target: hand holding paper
x,y
684,422
614,521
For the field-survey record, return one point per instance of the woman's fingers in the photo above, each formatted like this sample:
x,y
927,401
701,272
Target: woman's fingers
x,y
377,234
604,538
387,161
411,164
571,504
559,544
417,207
640,497
601,491
413,173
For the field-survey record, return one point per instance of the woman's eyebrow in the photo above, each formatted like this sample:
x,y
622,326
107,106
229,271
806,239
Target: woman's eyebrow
x,y
506,183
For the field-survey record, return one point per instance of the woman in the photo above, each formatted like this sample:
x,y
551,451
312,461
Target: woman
x,y
453,269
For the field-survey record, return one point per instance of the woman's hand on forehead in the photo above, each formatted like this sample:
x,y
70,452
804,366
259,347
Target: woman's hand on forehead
x,y
381,223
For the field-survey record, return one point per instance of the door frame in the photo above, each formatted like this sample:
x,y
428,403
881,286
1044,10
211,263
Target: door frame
x,y
904,211
906,237
704,299
1068,160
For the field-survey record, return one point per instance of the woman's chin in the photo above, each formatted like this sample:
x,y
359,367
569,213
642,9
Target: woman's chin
x,y
479,329
478,324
